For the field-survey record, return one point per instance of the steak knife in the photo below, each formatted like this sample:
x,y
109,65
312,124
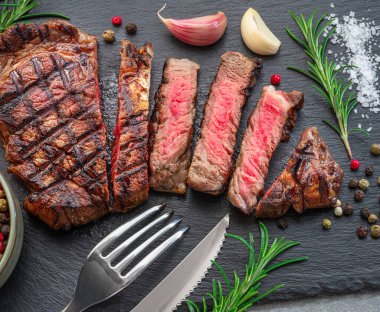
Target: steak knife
x,y
185,277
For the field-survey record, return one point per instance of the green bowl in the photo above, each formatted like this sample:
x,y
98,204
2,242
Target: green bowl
x,y
16,234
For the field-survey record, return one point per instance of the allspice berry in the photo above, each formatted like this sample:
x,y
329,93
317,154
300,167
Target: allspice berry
x,y
109,35
375,231
359,195
372,218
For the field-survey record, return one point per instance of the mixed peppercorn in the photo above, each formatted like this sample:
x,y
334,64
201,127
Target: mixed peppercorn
x,y
4,222
109,35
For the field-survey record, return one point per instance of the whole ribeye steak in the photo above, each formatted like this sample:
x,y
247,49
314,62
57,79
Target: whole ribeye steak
x,y
312,179
50,121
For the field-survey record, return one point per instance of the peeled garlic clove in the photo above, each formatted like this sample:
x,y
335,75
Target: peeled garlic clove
x,y
256,34
197,31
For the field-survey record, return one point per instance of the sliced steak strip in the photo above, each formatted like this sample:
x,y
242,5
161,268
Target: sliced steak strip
x,y
171,127
312,179
50,121
130,153
270,122
212,162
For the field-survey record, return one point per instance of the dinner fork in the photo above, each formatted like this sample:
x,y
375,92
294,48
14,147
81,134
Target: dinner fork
x,y
99,279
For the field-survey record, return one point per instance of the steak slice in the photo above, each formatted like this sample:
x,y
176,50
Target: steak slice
x,y
212,162
50,121
129,172
270,122
312,179
171,126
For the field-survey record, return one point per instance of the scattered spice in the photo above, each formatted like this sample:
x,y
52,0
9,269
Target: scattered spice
x,y
326,223
282,223
117,20
378,181
364,212
109,35
353,184
375,231
369,171
363,184
375,149
348,209
4,222
131,28
338,211
362,231
337,203
359,195
275,79
355,164
372,218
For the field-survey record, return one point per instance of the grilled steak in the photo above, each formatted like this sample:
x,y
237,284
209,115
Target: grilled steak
x,y
171,126
212,162
270,122
311,180
129,171
50,121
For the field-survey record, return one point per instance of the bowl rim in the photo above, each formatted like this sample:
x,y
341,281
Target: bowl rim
x,y
14,226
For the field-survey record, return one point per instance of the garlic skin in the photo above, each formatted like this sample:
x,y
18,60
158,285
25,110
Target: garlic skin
x,y
197,31
256,34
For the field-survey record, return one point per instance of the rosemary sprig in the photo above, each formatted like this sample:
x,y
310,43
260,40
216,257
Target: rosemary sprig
x,y
242,294
324,72
13,12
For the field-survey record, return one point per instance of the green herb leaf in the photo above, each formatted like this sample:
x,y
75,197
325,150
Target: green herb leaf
x,y
242,294
324,72
13,12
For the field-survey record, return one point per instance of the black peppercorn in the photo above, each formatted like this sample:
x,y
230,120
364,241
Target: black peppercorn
x,y
5,230
369,171
282,223
359,195
130,28
347,209
3,217
364,212
353,184
362,231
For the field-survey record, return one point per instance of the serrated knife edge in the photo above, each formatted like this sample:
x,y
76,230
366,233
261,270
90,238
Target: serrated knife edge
x,y
180,282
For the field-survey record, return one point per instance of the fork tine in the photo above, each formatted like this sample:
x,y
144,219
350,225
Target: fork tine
x,y
119,249
134,253
152,256
125,227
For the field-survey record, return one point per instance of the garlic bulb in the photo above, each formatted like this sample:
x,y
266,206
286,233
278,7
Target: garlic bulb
x,y
197,31
256,34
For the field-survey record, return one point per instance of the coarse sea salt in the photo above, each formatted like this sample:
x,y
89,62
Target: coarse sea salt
x,y
358,36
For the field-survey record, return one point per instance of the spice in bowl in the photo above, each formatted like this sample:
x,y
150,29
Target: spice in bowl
x,y
4,222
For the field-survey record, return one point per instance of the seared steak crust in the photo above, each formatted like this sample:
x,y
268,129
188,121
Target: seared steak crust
x,y
171,126
130,153
212,162
271,121
311,179
50,121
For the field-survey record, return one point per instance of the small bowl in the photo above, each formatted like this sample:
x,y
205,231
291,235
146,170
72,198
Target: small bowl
x,y
16,233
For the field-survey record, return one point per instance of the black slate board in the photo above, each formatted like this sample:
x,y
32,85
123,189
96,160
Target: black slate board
x,y
45,276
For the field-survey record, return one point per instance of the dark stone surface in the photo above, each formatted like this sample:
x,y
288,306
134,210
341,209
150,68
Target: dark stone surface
x,y
46,274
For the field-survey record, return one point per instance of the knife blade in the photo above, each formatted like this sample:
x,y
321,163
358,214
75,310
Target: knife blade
x,y
185,277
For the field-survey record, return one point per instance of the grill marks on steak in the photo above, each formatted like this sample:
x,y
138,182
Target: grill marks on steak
x,y
270,122
130,154
171,127
212,161
311,179
50,121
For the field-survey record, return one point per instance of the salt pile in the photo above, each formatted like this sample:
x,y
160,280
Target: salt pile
x,y
358,37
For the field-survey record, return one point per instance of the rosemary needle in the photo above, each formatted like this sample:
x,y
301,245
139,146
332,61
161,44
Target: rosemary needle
x,y
324,72
13,12
242,294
